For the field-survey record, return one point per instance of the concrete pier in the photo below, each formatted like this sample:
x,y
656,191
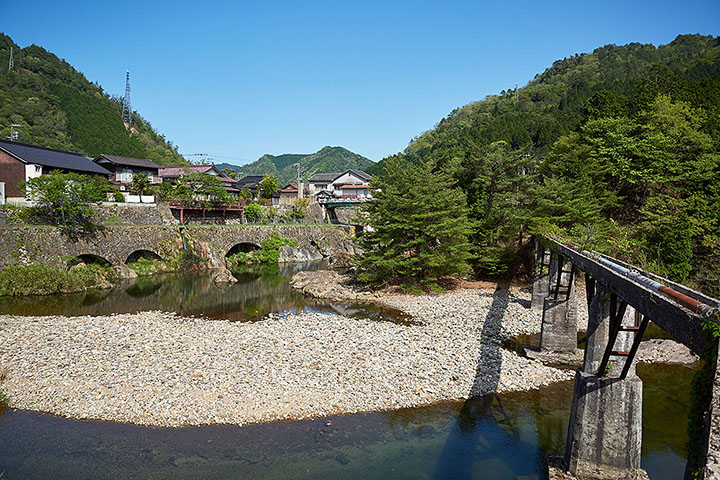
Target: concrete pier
x,y
541,279
558,335
605,430
559,322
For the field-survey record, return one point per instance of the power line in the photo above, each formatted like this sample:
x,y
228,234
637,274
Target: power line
x,y
208,156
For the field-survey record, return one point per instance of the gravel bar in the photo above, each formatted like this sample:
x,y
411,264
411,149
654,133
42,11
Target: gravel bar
x,y
161,369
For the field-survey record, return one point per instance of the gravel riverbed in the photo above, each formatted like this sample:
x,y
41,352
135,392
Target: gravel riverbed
x,y
157,368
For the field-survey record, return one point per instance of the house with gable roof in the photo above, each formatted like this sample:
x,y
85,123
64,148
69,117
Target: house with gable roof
x,y
349,184
123,169
19,162
171,174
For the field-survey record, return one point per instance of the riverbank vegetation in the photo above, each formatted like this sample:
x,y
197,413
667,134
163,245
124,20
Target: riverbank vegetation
x,y
617,150
417,231
36,279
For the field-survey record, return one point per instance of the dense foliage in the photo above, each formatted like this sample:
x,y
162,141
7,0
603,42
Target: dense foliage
x,y
36,279
417,228
57,107
325,160
65,199
199,188
268,186
618,149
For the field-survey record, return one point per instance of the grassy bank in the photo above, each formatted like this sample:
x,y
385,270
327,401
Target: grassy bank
x,y
34,279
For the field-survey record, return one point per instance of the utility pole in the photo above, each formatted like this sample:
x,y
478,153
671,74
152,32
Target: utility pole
x,y
299,183
127,111
11,64
516,92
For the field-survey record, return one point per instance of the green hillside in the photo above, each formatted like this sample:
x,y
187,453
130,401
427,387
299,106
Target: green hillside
x,y
326,160
618,149
57,107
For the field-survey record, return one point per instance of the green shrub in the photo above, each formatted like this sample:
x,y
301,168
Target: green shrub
x,y
253,211
145,266
240,258
118,197
270,249
35,279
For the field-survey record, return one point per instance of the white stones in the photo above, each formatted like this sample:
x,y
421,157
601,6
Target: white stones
x,y
156,368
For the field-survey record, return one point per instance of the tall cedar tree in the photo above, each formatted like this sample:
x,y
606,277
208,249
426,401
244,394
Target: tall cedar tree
x,y
418,227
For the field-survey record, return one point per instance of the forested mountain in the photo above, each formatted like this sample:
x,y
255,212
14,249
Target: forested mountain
x,y
326,160
618,149
57,107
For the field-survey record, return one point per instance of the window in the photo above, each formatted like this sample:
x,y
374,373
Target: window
x,y
38,169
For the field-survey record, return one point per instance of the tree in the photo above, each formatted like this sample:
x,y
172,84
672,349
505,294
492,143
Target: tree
x,y
64,199
200,188
268,186
230,173
417,228
140,184
245,194
253,211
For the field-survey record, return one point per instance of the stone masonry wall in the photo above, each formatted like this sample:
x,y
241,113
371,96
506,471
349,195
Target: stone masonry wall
x,y
129,214
38,244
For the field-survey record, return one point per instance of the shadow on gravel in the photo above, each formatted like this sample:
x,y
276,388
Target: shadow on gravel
x,y
475,444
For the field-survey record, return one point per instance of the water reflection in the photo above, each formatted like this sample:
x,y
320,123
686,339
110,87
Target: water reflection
x,y
259,291
495,437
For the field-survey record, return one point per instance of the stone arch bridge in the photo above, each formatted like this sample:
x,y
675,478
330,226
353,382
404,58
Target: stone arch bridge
x,y
115,244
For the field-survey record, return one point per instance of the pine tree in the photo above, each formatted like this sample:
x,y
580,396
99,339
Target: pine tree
x,y
417,228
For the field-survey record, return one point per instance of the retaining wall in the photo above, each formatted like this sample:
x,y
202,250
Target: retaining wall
x,y
39,244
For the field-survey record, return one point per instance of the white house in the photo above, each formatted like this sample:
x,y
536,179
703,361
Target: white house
x,y
349,184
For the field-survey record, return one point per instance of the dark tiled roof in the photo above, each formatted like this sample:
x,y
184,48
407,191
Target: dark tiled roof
x,y
250,180
361,174
131,162
324,177
48,157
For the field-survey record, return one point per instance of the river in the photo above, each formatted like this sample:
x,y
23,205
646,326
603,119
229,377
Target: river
x,y
494,437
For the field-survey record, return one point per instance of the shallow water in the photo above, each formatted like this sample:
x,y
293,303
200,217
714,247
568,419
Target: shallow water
x,y
494,437
259,291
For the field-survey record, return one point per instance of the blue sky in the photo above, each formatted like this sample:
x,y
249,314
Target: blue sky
x,y
240,79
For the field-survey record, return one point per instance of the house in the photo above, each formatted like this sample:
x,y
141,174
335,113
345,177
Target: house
x,y
340,184
287,195
355,191
171,174
252,182
123,168
21,162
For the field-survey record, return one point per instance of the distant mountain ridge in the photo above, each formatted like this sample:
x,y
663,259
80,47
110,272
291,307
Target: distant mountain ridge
x,y
325,160
55,106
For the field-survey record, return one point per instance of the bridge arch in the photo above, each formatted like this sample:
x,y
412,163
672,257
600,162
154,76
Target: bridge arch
x,y
242,247
88,259
144,254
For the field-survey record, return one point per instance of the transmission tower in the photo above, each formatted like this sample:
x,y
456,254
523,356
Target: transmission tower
x,y
10,64
127,111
